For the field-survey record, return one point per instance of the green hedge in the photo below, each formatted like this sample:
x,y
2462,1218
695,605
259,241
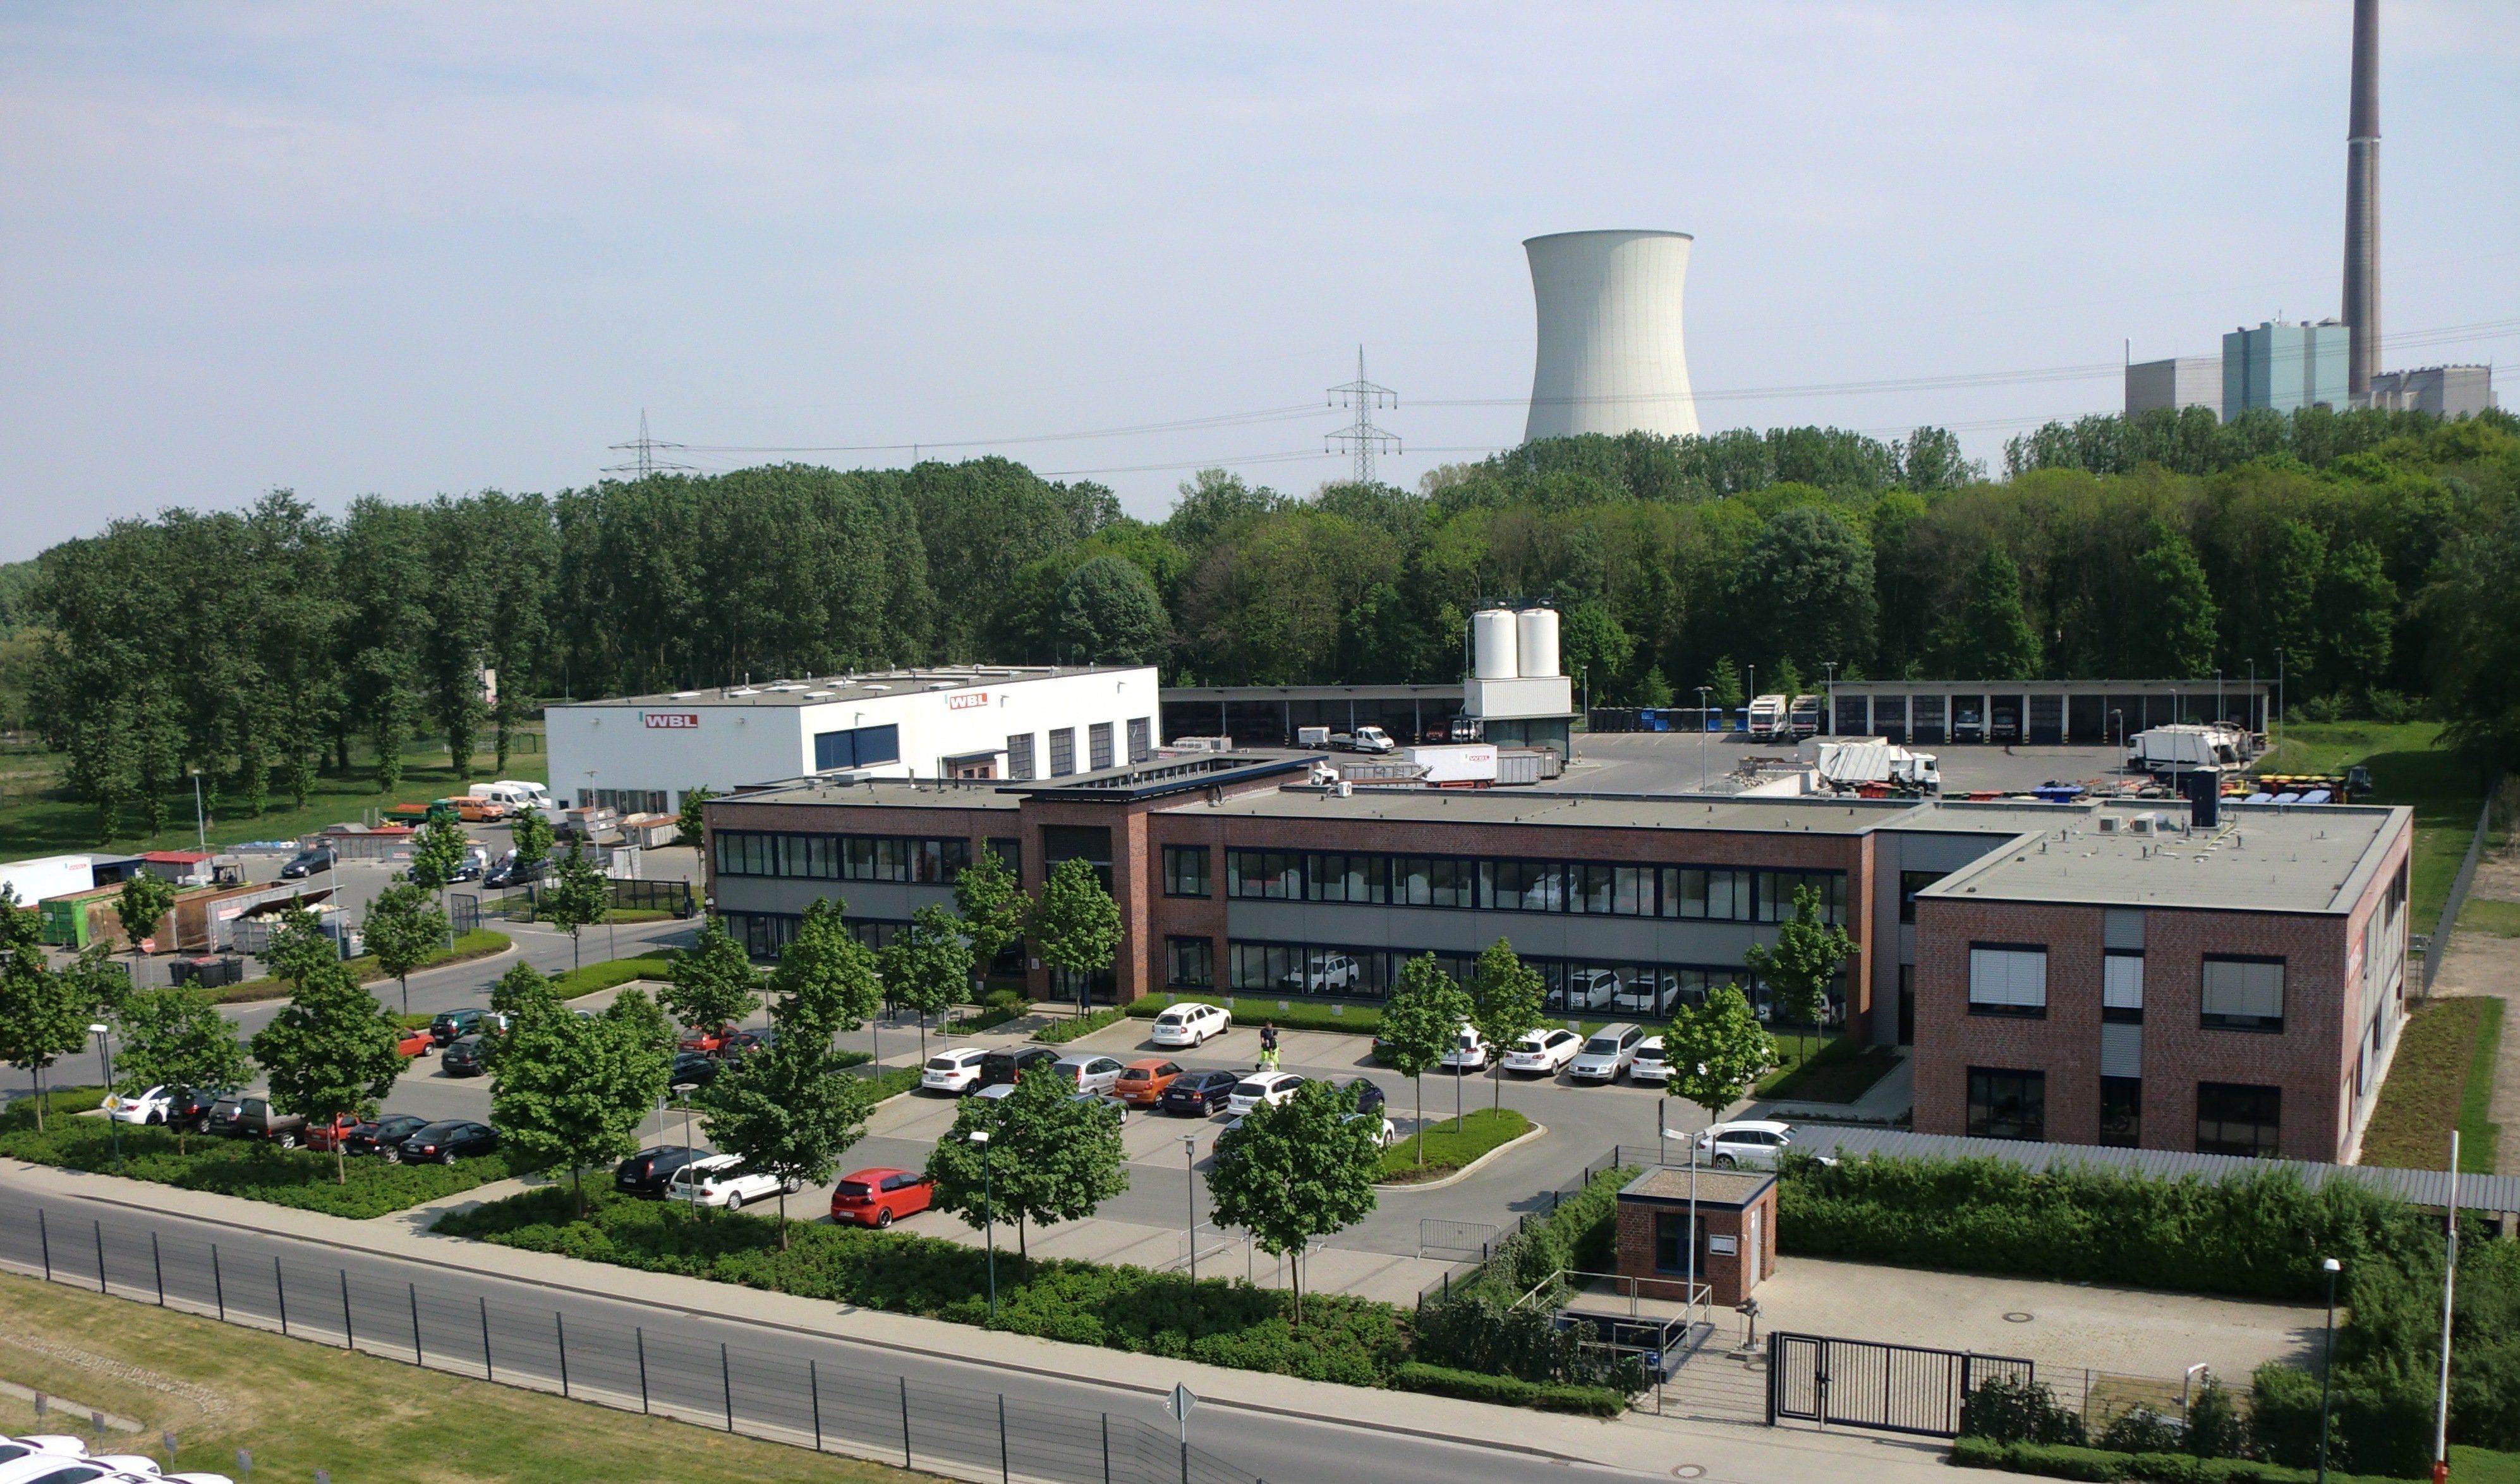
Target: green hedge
x,y
2057,1461
1298,1015
1508,1391
610,973
252,1168
1076,1026
1213,1321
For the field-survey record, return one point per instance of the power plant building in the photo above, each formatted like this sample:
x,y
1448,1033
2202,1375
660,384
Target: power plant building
x,y
1610,357
2280,367
2444,391
2187,380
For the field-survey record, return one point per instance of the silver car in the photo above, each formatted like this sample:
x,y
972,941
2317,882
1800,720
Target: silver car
x,y
1606,1052
1089,1071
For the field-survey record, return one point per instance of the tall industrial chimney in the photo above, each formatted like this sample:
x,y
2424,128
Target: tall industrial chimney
x,y
1610,356
2363,206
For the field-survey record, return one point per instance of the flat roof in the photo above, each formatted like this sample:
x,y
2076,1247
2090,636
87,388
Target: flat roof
x,y
2264,685
1598,811
1713,1188
1194,694
1166,774
2258,858
874,685
876,793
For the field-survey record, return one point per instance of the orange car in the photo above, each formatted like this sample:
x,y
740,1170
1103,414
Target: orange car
x,y
322,1136
416,1043
1142,1083
478,811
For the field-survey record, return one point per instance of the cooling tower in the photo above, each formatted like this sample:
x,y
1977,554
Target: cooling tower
x,y
1610,356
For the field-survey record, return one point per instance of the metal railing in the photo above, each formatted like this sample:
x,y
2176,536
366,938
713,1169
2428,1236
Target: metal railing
x,y
1653,1339
828,1406
1457,1239
1542,1209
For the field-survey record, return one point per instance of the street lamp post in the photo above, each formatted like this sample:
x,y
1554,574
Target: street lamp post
x,y
2327,1365
2280,705
1831,666
1190,1179
2120,721
1701,736
104,1034
200,820
988,1218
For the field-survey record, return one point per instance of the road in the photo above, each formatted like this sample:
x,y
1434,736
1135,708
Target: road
x,y
682,1348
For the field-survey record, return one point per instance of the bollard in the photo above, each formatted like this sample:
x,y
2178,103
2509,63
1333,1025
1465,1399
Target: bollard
x,y
814,1388
44,1233
641,1337
158,1265
417,1358
279,1286
726,1373
560,1332
349,1340
218,1285
486,1374
1006,1466
905,1421
1107,1448
100,1257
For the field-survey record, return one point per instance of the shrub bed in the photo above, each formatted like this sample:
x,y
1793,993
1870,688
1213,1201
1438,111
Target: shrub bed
x,y
2057,1461
1296,1014
1449,1148
303,1179
1123,1308
1076,1026
480,943
612,973
1508,1391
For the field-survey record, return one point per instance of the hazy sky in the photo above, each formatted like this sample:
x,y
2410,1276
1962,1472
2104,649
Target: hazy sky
x,y
439,247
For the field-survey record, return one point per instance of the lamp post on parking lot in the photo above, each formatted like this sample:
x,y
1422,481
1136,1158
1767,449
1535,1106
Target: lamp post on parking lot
x,y
988,1218
1701,736
104,1034
1189,1181
2327,1364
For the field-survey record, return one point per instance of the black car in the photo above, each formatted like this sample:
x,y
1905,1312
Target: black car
x,y
189,1109
448,1142
1198,1094
746,1042
515,872
379,1136
308,862
692,1069
463,1059
1366,1095
647,1172
454,1023
1010,1063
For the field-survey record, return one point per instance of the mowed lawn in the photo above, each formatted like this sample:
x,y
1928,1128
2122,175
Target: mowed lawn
x,y
2440,1079
38,817
299,1407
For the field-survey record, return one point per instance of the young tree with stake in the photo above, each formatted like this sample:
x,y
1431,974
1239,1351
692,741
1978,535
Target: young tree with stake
x,y
714,984
572,1089
577,898
177,1038
144,901
532,835
1799,971
333,1049
1507,998
1051,1158
994,910
437,852
1076,924
403,927
43,1016
789,1110
1717,1050
1425,1011
1297,1170
928,966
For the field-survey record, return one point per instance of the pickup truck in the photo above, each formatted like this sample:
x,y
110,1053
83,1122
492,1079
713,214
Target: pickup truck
x,y
1362,740
255,1117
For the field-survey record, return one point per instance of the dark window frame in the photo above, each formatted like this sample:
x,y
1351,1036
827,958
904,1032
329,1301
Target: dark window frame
x,y
1988,1086
2207,1020
2232,1111
1179,882
1189,962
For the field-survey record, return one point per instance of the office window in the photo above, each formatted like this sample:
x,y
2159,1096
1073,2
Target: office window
x,y
2122,986
1420,880
1186,871
1019,756
1719,896
1009,853
1909,883
2006,1105
1345,878
2008,979
863,748
1524,885
1063,751
1189,962
2236,1119
1672,1244
1777,891
2121,1112
1274,876
1098,742
1626,891
1142,739
2243,994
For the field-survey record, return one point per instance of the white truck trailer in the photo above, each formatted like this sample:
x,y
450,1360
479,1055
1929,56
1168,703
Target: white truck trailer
x,y
2183,749
1851,762
1768,719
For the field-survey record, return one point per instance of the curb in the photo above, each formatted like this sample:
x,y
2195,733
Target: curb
x,y
1467,1170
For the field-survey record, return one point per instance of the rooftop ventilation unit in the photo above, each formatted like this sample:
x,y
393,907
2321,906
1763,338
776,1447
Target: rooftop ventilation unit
x,y
685,695
743,691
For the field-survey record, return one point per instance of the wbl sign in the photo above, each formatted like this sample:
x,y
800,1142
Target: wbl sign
x,y
670,721
967,701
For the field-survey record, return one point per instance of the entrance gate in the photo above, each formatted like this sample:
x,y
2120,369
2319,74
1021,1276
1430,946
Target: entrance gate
x,y
1866,1383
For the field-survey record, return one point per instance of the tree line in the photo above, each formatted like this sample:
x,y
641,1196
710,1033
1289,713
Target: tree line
x,y
255,647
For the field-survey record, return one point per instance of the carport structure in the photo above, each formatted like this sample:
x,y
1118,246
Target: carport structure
x,y
2041,712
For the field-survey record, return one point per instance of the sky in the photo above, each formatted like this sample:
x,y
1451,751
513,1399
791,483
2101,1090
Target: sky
x,y
425,248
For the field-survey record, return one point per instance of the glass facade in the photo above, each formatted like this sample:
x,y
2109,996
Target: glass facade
x,y
1708,893
1585,987
839,857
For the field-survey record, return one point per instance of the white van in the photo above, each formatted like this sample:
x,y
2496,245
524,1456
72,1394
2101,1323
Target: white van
x,y
516,793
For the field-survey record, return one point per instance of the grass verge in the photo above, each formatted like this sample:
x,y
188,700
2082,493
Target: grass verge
x,y
613,973
301,1179
2500,919
1449,1148
288,1402
480,943
2480,1139
2440,1055
1837,1071
1078,1026
1288,1015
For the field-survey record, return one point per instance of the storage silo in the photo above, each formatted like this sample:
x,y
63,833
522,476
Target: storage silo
x,y
1535,637
1610,356
1493,650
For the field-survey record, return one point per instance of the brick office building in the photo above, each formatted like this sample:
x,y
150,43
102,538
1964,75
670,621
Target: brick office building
x,y
1237,874
2236,989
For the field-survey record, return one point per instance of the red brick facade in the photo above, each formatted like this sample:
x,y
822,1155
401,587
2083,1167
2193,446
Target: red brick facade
x,y
1730,1275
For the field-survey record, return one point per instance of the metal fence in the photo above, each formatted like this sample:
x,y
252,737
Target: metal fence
x,y
1888,1389
624,894
1541,1210
1457,1238
828,1406
2438,945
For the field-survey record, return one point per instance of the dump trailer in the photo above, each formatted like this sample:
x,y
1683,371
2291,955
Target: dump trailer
x,y
1857,761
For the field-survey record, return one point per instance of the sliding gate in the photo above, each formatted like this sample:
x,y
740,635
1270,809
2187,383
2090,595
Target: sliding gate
x,y
1866,1383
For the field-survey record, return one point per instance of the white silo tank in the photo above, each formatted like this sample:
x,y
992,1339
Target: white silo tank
x,y
1610,357
1492,645
1536,639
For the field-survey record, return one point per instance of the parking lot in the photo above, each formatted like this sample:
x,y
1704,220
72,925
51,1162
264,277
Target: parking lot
x,y
1673,762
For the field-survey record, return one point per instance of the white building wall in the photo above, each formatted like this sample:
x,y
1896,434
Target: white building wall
x,y
670,745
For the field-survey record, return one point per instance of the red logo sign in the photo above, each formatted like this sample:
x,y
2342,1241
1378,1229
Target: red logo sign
x,y
670,721
967,701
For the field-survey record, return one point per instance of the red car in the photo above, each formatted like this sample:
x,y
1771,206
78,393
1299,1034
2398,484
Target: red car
x,y
417,1043
713,1042
323,1136
873,1198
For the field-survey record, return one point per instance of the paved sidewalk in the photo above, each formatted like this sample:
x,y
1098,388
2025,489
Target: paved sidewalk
x,y
2478,963
1635,1442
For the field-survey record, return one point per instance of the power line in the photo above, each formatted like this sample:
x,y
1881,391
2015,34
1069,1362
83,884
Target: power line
x,y
1361,437
647,462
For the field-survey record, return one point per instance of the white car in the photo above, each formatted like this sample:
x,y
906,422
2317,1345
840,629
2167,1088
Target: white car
x,y
1749,1143
1643,994
1192,1024
1321,973
1649,1066
1087,1071
1262,1087
51,1445
54,1468
1544,1050
1606,1054
1390,1133
995,1090
1468,1053
720,1180
1590,988
957,1070
148,1106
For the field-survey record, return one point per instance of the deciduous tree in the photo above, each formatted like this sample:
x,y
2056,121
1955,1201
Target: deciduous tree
x,y
437,852
572,1090
691,827
991,901
789,1110
1297,1170
1717,1050
145,899
1076,924
333,1049
826,983
177,1038
403,927
577,897
1107,612
713,984
1051,1158
1420,1020
43,1016
1804,963
928,966
1506,999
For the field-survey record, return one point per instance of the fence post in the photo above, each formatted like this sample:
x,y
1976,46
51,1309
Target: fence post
x,y
280,1286
1184,1457
560,1331
1107,1448
158,1265
100,1256
487,1374
417,1358
218,1285
814,1389
44,1233
349,1337
640,1338
905,1421
1006,1467
726,1376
